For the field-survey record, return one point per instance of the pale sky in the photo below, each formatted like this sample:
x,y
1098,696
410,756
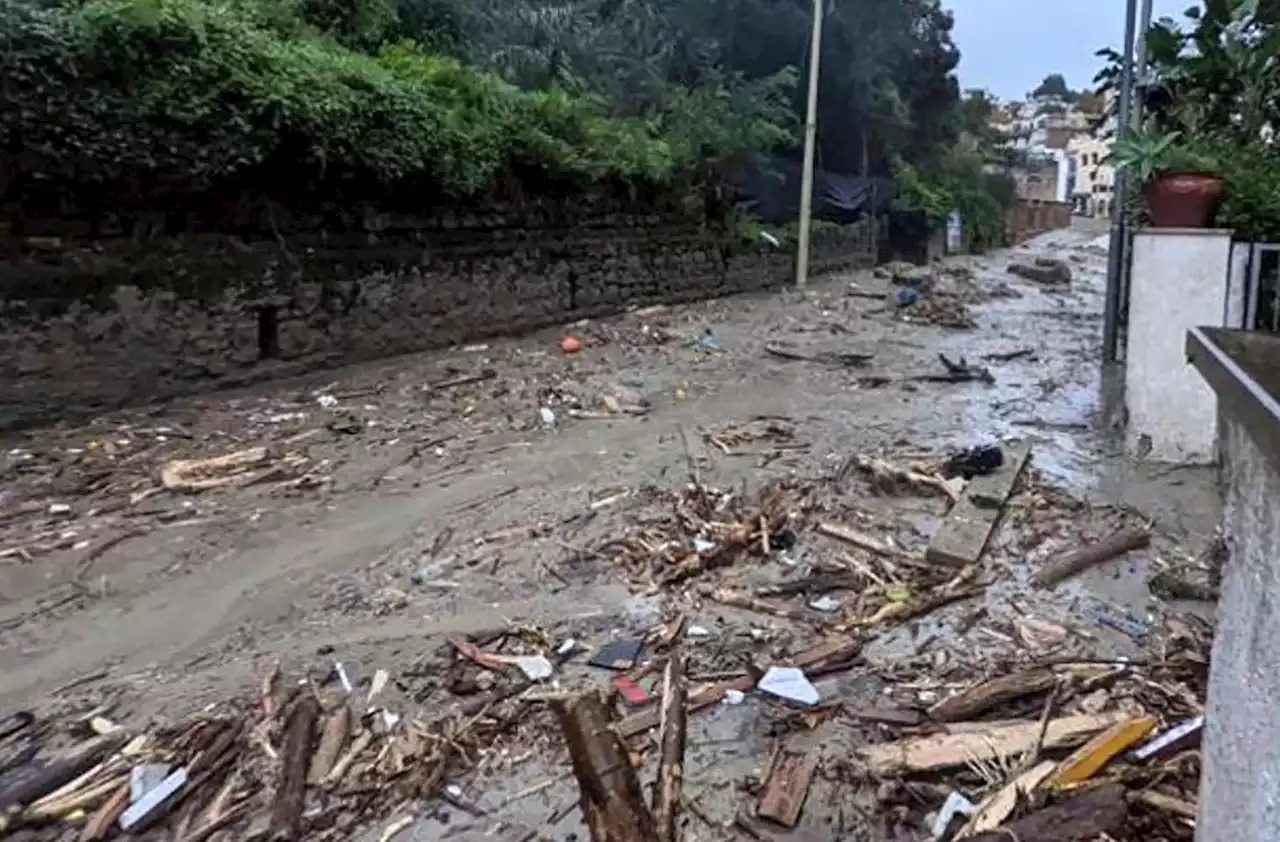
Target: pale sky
x,y
1008,46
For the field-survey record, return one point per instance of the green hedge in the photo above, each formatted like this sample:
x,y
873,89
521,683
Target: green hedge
x,y
194,94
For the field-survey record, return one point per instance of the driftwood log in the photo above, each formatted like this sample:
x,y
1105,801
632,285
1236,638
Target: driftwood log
x,y
612,802
1077,561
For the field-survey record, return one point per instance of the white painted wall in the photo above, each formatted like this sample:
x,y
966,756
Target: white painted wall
x,y
1178,281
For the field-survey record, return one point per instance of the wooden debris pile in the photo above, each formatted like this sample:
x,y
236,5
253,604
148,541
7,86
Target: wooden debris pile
x,y
289,767
1112,751
708,529
66,487
941,309
878,586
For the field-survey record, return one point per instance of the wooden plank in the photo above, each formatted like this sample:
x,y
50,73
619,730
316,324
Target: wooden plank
x,y
788,786
961,745
885,715
964,534
612,802
997,807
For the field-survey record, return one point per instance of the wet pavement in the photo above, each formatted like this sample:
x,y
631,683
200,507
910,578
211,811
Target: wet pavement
x,y
405,513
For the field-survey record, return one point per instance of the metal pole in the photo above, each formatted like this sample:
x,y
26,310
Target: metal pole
x,y
810,141
1140,62
1136,106
1115,254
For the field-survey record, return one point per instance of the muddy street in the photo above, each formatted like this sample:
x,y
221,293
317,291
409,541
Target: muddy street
x,y
744,478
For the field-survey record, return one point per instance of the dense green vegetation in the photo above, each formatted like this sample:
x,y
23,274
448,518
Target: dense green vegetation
x,y
440,100
185,93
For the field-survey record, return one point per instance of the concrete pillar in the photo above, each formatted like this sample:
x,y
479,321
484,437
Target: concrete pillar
x,y
1178,281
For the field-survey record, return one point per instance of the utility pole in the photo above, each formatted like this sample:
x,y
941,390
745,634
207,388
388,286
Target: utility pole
x,y
810,141
1115,253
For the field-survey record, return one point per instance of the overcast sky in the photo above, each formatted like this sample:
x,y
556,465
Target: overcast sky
x,y
1008,46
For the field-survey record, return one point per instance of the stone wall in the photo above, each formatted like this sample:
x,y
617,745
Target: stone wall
x,y
99,321
1030,217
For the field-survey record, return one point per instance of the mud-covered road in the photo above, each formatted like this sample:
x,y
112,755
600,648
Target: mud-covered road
x,y
398,504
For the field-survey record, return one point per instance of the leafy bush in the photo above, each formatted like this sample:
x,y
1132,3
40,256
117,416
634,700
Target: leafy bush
x,y
960,184
191,94
1250,204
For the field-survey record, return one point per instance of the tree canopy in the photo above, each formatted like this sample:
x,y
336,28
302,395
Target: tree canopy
x,y
1055,85
454,98
887,80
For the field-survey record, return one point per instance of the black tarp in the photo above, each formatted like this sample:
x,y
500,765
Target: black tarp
x,y
771,192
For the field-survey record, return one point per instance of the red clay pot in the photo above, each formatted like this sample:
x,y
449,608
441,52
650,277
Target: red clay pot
x,y
1182,199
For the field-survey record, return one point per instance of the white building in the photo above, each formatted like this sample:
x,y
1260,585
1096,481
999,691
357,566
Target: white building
x,y
1093,192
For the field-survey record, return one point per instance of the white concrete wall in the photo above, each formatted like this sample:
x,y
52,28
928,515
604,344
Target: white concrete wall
x,y
1178,281
1240,784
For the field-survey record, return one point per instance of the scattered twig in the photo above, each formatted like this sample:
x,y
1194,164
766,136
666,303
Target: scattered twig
x,y
463,380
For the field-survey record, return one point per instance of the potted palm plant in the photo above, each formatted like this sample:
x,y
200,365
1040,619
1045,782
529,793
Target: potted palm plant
x,y
1180,185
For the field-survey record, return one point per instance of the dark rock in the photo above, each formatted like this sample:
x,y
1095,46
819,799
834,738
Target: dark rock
x,y
1043,270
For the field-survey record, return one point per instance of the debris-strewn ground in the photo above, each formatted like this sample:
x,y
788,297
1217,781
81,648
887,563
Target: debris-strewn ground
x,y
783,497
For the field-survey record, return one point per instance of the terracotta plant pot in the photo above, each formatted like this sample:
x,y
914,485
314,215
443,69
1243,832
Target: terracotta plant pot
x,y
1182,199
